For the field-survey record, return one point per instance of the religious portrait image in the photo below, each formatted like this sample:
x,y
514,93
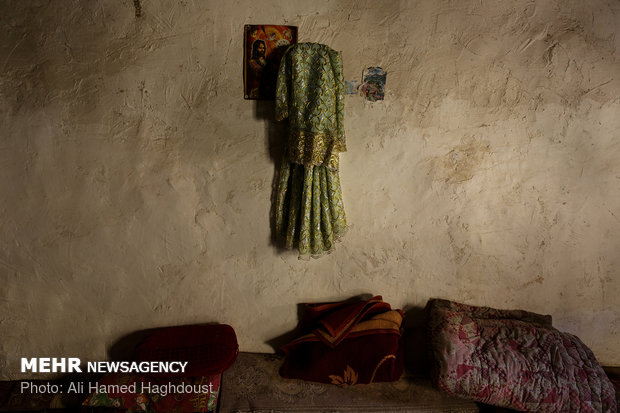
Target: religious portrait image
x,y
264,46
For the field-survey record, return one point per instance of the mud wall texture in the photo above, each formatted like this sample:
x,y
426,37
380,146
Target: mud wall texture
x,y
136,180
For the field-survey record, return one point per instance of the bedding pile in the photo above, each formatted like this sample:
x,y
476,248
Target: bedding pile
x,y
514,359
346,343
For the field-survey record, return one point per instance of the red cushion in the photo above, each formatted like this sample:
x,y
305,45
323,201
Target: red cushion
x,y
209,349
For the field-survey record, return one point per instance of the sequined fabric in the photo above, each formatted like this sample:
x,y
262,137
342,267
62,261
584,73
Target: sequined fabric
x,y
309,92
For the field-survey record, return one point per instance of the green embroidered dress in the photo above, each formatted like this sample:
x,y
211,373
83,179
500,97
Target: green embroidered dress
x,y
309,92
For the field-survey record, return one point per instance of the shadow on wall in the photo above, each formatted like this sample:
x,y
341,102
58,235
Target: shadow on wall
x,y
124,347
416,341
278,342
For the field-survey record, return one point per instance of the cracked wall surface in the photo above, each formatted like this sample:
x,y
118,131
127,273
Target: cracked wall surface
x,y
136,180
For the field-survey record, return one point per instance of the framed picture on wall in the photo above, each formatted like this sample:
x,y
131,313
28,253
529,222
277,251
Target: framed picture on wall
x,y
263,48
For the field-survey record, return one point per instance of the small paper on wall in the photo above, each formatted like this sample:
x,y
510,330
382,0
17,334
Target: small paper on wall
x,y
351,87
373,87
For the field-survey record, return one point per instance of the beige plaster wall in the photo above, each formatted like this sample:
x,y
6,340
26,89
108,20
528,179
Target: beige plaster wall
x,y
135,180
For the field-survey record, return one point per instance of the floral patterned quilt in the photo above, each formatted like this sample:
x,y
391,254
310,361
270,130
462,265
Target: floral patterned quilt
x,y
514,359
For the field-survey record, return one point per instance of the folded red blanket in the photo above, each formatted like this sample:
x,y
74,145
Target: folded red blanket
x,y
348,343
